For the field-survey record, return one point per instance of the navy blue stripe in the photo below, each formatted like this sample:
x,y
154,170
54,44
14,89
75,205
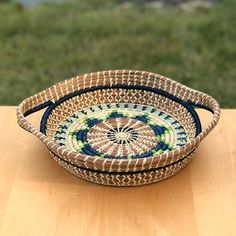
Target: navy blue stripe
x,y
45,116
121,173
154,90
200,106
38,108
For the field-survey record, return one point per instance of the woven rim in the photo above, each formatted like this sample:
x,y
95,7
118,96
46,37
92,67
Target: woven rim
x,y
117,130
64,114
125,77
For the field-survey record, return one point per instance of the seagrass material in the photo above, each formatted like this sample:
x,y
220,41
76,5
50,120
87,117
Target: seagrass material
x,y
120,128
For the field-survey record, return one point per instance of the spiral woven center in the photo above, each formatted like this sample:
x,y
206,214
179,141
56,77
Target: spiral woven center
x,y
120,131
121,137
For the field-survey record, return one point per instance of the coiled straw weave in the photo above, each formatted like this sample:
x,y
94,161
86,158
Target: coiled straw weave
x,y
120,127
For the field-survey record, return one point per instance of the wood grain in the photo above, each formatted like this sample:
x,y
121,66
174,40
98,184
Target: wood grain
x,y
37,197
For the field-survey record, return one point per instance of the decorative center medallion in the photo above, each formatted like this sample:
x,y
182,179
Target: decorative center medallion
x,y
121,131
121,137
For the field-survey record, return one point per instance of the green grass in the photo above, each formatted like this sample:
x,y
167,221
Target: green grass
x,y
47,43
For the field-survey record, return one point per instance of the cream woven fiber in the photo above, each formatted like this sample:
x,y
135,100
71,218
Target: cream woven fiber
x,y
145,119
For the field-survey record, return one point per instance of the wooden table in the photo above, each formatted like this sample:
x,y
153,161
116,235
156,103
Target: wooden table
x,y
37,197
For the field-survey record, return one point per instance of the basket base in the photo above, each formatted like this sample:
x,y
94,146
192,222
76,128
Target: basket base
x,y
125,179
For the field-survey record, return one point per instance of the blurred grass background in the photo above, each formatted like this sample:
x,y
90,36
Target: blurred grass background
x,y
47,43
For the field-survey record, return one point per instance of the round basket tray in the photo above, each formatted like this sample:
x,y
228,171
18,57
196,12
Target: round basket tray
x,y
120,128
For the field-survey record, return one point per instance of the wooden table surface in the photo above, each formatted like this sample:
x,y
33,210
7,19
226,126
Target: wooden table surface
x,y
38,197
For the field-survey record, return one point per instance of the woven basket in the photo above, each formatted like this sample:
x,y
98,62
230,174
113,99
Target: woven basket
x,y
120,128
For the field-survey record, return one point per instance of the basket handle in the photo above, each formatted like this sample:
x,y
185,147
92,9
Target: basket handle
x,y
204,101
31,105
